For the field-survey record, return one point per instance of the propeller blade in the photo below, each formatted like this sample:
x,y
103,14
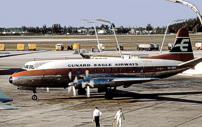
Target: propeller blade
x,y
88,91
74,91
87,73
70,75
76,80
69,89
91,83
83,85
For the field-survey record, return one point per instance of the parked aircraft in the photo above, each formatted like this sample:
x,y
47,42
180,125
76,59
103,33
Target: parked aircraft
x,y
106,74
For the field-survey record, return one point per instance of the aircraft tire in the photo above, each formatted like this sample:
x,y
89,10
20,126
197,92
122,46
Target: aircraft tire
x,y
34,97
82,92
108,95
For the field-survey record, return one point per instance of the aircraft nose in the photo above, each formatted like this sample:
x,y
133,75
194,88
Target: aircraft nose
x,y
11,80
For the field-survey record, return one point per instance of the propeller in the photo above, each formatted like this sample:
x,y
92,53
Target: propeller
x,y
72,86
88,85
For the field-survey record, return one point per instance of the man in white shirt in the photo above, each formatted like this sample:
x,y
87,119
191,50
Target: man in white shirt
x,y
119,115
96,114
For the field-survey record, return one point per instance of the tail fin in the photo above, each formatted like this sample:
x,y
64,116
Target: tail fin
x,y
182,49
182,43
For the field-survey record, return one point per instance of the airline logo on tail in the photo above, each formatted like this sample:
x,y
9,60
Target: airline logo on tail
x,y
183,46
182,42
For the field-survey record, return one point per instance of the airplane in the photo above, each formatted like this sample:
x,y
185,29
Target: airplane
x,y
106,74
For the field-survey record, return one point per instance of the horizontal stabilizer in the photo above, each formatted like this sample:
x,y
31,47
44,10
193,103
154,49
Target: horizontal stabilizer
x,y
191,62
134,79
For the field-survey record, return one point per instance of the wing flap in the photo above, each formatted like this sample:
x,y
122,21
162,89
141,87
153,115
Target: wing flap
x,y
134,79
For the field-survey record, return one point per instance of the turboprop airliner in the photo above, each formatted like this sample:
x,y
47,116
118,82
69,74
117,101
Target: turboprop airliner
x,y
106,74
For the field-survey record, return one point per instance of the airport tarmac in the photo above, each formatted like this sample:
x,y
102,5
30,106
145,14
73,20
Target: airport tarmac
x,y
170,102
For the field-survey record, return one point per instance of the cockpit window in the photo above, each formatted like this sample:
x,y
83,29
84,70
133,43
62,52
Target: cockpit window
x,y
25,66
28,66
31,67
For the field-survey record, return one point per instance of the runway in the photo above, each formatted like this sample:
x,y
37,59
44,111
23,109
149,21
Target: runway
x,y
170,102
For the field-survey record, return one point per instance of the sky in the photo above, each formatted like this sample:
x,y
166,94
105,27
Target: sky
x,y
133,13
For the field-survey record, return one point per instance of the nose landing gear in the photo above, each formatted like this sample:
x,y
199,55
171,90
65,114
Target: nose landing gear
x,y
34,97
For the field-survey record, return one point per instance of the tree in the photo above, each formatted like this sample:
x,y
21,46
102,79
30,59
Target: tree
x,y
56,28
69,29
24,28
44,29
149,27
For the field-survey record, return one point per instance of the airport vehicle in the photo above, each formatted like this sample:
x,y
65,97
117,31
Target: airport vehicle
x,y
170,46
59,47
102,46
69,47
76,46
121,47
147,47
2,47
198,46
108,73
20,47
32,47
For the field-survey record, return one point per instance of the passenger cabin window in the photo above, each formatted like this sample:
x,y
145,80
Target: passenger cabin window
x,y
103,70
118,70
78,70
134,69
141,69
95,70
126,70
110,70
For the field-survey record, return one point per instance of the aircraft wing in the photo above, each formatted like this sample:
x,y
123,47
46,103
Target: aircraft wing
x,y
4,106
5,98
19,53
191,62
134,79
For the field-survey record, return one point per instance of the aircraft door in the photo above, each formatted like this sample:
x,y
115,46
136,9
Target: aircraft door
x,y
49,74
148,68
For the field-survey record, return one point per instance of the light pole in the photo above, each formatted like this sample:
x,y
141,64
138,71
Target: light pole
x,y
87,21
114,33
179,20
194,8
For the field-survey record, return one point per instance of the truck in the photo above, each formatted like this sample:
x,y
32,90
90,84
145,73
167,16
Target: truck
x,y
20,47
198,46
2,47
148,47
102,46
121,47
32,47
59,47
170,46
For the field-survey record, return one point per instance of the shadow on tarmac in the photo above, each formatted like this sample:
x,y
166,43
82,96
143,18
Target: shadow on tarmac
x,y
124,95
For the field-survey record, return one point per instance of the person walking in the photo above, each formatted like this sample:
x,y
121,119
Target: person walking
x,y
118,117
96,116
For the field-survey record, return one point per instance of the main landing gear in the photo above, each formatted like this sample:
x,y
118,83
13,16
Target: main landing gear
x,y
34,97
109,93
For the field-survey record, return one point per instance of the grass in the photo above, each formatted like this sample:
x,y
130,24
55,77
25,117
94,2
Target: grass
x,y
129,42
